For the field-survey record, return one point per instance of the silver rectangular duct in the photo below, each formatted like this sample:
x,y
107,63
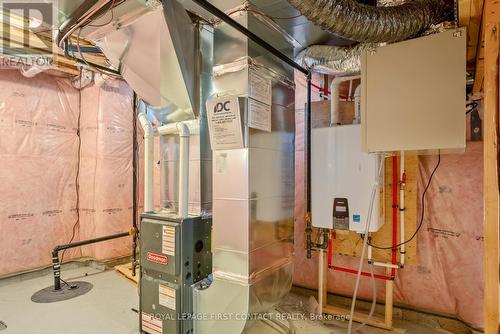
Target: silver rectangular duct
x,y
200,166
253,187
155,53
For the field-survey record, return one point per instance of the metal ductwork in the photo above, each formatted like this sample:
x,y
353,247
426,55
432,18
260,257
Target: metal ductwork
x,y
363,23
333,60
152,46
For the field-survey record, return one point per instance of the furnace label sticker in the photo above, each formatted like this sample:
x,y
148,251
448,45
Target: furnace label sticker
x,y
151,324
167,296
224,123
259,115
157,258
168,240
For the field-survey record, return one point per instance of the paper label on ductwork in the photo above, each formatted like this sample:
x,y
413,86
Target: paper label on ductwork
x,y
220,163
260,87
259,115
151,324
168,241
224,123
167,296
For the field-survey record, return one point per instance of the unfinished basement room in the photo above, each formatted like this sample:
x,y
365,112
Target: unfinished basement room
x,y
249,167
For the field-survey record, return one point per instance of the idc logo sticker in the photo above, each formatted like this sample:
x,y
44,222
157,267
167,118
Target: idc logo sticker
x,y
356,218
222,106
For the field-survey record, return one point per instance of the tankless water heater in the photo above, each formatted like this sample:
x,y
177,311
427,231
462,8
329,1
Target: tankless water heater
x,y
343,177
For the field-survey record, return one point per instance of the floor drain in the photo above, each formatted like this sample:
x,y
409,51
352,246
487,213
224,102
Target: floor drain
x,y
2,326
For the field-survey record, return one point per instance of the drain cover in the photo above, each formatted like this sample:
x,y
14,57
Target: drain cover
x,y
2,326
49,295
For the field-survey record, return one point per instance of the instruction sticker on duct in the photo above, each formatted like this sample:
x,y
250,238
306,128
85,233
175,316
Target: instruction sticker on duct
x,y
151,324
167,296
168,241
224,123
259,115
260,87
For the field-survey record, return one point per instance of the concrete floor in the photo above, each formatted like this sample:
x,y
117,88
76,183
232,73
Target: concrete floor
x,y
108,309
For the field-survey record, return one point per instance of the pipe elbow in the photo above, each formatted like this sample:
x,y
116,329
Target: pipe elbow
x,y
183,130
146,125
357,91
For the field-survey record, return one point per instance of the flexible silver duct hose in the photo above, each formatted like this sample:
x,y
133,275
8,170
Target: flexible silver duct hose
x,y
363,23
333,60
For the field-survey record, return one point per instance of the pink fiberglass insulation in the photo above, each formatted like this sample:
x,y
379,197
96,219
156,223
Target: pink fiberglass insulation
x,y
448,276
106,167
38,147
39,158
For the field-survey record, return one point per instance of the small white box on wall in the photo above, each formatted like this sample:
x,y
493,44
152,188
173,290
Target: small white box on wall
x,y
413,94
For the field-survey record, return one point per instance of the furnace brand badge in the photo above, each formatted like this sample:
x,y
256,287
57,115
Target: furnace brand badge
x,y
157,258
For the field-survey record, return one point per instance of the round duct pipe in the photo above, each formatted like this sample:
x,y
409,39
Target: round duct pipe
x,y
364,23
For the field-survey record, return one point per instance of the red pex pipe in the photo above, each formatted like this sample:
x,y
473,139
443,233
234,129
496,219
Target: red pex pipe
x,y
395,181
321,89
346,270
327,92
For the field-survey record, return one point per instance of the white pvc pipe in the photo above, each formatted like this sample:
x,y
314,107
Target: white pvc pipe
x,y
402,207
148,162
335,102
320,281
357,105
369,253
182,130
183,170
385,265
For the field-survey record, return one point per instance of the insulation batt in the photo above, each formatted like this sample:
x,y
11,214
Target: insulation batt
x,y
39,154
448,276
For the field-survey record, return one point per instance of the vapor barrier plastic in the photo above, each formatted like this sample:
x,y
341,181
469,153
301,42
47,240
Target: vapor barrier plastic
x,y
39,154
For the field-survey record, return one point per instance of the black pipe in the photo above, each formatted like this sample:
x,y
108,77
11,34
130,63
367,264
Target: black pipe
x,y
308,167
226,18
56,264
134,182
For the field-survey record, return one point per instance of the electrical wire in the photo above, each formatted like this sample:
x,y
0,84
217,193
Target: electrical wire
x,y
87,63
474,107
422,209
69,285
78,160
110,9
247,9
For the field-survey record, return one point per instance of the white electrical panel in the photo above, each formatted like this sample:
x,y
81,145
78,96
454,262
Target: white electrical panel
x,y
343,177
413,94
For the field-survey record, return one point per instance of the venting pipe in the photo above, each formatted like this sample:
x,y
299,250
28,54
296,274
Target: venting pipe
x,y
184,170
333,60
182,130
148,162
335,103
364,23
402,186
